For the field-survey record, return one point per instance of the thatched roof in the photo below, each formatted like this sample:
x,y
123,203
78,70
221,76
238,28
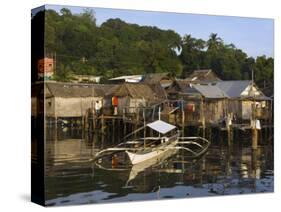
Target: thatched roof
x,y
158,90
69,90
133,90
104,87
203,75
154,78
182,86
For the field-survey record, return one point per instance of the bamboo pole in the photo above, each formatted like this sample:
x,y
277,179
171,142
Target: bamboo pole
x,y
153,113
203,117
94,120
102,124
124,123
144,130
182,116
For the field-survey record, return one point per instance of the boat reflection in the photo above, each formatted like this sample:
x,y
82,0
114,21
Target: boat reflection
x,y
137,169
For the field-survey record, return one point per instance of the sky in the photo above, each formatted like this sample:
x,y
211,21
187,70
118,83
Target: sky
x,y
255,36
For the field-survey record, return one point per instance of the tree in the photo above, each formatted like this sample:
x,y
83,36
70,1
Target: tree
x,y
247,67
63,73
118,48
263,70
192,54
214,42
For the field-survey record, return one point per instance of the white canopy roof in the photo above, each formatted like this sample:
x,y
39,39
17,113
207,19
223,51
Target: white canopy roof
x,y
161,126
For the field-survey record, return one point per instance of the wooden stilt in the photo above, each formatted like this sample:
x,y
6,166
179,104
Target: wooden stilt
x,y
144,130
229,129
254,163
113,130
203,129
202,113
94,120
229,136
136,123
56,129
210,133
124,128
183,118
102,124
254,138
153,113
102,140
86,121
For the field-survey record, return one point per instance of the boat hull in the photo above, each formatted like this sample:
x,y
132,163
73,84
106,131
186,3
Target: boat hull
x,y
137,158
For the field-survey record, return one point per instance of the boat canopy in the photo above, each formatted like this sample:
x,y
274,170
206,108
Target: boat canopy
x,y
161,126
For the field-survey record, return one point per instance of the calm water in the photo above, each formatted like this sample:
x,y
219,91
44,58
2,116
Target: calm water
x,y
72,178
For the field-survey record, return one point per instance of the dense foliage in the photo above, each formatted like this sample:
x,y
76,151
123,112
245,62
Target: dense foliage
x,y
116,48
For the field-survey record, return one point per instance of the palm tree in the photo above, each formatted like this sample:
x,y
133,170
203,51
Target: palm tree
x,y
230,46
193,43
214,41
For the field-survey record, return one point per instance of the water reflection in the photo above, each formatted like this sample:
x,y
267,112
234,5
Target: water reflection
x,y
72,178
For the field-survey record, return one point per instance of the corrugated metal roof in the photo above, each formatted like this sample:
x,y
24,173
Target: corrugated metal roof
x,y
226,89
210,91
129,77
233,88
161,126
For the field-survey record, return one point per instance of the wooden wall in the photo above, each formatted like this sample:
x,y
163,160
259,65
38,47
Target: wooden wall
x,y
69,107
130,104
193,118
214,110
243,109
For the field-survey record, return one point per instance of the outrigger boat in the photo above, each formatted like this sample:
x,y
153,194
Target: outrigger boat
x,y
168,138
155,146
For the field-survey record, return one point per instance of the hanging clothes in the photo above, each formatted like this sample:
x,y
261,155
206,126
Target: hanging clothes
x,y
115,101
190,107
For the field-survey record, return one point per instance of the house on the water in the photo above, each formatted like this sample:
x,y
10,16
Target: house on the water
x,y
245,100
214,103
65,100
132,96
210,102
203,103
